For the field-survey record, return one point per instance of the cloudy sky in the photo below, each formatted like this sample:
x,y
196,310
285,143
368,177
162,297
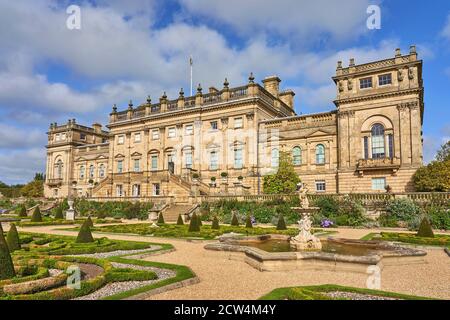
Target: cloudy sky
x,y
129,49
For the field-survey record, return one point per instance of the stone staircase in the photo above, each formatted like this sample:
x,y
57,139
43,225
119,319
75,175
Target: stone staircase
x,y
171,214
97,189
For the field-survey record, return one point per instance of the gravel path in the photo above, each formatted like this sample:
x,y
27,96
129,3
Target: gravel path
x,y
104,255
224,277
354,296
118,287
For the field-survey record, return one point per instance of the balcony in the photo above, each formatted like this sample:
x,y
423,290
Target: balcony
x,y
54,182
378,164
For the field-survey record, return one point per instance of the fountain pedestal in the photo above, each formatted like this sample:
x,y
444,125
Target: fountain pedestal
x,y
305,240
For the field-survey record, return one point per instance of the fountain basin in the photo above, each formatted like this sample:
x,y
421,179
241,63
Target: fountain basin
x,y
274,253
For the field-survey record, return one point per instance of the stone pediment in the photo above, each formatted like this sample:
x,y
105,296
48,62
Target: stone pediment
x,y
80,159
101,157
119,155
318,133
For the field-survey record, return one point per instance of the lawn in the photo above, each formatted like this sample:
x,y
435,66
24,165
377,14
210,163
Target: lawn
x,y
42,253
438,240
182,231
55,222
320,293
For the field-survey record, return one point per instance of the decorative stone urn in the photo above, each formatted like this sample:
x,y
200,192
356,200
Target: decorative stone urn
x,y
70,213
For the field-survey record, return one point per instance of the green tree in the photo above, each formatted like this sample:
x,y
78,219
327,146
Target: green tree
x,y
215,223
85,234
21,211
33,189
12,238
193,225
160,218
36,217
281,225
444,153
248,222
6,263
234,220
435,177
425,229
89,222
285,181
59,213
180,220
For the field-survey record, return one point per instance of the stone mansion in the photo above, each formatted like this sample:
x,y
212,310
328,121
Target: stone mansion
x,y
225,140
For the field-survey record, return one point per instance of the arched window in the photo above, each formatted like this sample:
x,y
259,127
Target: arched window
x,y
297,156
59,169
378,144
82,172
213,160
320,154
275,158
91,172
101,171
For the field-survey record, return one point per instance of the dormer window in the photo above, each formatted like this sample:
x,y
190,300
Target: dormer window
x,y
82,136
365,83
385,79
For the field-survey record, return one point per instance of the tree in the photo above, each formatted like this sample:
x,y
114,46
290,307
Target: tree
x,y
234,220
215,223
435,177
85,234
6,263
193,225
59,213
281,225
36,217
285,181
22,211
248,222
12,238
89,222
425,229
444,153
160,218
180,220
34,189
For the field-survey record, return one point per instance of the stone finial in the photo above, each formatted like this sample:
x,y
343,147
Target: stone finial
x,y
251,78
199,89
114,108
164,96
130,105
69,122
226,83
51,126
339,65
73,121
412,49
398,52
149,100
352,62
181,93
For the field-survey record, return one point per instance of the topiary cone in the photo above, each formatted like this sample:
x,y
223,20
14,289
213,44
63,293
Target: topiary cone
x,y
200,223
22,211
6,263
85,234
59,213
180,220
193,225
215,223
425,229
161,218
12,238
281,225
36,217
234,220
248,222
89,222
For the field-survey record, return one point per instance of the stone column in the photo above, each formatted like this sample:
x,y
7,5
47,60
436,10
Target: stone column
x,y
416,135
404,128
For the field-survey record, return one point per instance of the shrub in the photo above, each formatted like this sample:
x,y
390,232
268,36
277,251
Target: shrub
x,y
22,211
160,218
6,264
425,230
215,223
85,235
36,217
281,225
180,220
439,217
234,220
193,225
195,176
248,222
224,174
89,222
59,213
12,238
285,180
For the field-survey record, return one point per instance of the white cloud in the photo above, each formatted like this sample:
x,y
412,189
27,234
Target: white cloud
x,y
20,166
446,31
15,138
297,19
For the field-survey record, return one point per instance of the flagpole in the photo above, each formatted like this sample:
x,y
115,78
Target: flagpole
x,y
191,63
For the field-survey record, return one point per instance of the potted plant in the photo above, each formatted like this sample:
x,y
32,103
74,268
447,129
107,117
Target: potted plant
x,y
213,182
240,178
224,176
195,177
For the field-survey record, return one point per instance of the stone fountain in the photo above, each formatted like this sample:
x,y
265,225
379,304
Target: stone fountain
x,y
305,240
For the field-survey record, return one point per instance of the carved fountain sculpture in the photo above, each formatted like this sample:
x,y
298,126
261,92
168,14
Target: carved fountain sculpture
x,y
305,240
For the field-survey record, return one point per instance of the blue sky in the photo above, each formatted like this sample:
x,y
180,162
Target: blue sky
x,y
129,49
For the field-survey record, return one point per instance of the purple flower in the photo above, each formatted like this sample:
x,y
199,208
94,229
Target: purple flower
x,y
326,223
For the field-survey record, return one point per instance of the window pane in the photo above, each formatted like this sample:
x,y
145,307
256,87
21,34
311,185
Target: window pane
x,y
238,158
320,154
384,79
379,184
155,134
391,146
213,160
366,148
297,156
378,149
365,83
320,186
188,159
137,167
154,162
238,123
214,125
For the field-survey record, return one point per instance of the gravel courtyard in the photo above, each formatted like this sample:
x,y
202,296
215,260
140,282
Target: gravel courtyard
x,y
222,277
